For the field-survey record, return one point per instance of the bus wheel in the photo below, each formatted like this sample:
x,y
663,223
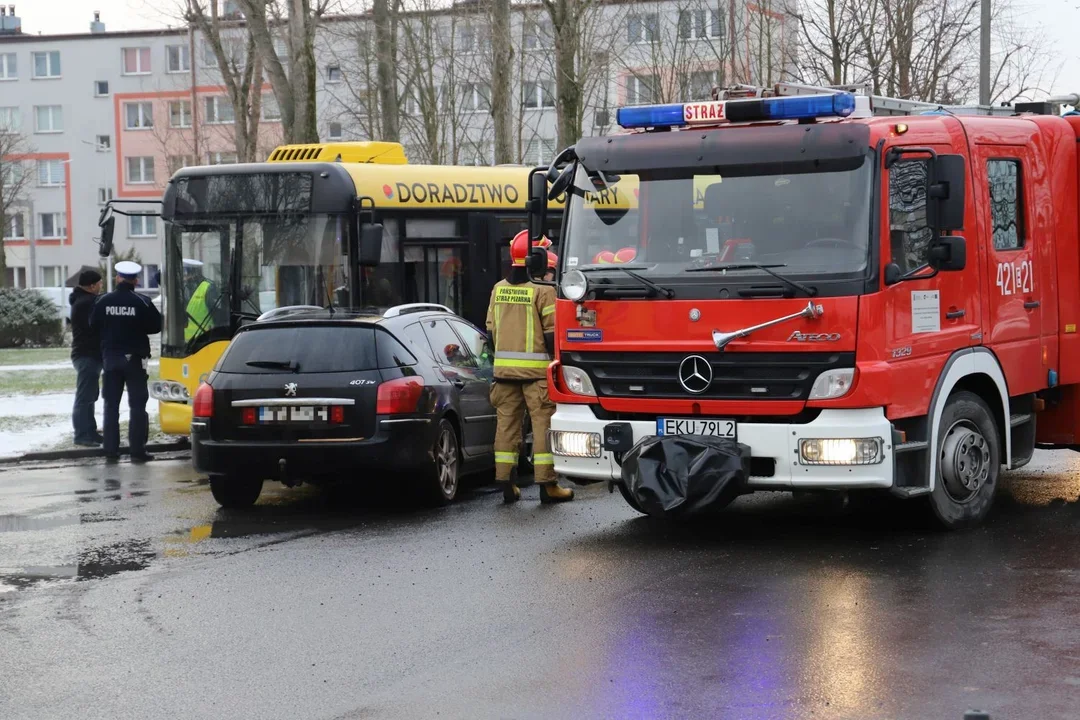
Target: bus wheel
x,y
968,463
235,492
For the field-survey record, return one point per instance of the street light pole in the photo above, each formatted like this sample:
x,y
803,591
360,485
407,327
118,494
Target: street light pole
x,y
984,55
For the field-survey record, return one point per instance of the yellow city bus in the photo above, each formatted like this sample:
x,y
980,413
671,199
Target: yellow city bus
x,y
241,240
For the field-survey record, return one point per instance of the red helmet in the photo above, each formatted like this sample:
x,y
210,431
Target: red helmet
x,y
519,248
625,255
604,256
553,260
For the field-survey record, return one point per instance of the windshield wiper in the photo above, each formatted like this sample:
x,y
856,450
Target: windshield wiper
x,y
275,364
793,284
668,293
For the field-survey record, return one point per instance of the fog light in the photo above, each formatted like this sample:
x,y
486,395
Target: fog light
x,y
575,444
840,451
577,381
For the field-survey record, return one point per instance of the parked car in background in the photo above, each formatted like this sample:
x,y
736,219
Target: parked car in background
x,y
306,394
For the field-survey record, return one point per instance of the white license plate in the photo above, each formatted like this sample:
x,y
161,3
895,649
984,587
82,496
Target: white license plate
x,y
696,426
299,413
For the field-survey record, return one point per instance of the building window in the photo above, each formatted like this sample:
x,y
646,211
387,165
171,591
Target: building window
x,y
9,66
101,88
140,226
221,158
335,131
48,119
11,173
539,93
333,73
271,111
14,226
10,120
175,162
139,116
538,33
234,49
52,276
53,225
475,97
104,195
700,24
1006,214
701,84
136,61
640,89
909,231
152,275
219,110
103,143
46,64
50,173
601,118
641,27
178,58
540,151
140,170
16,277
473,37
180,114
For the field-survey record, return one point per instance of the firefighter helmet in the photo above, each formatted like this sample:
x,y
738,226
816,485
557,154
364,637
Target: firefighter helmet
x,y
553,260
625,255
520,247
604,256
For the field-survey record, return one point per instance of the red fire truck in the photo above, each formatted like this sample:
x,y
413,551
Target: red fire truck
x,y
867,293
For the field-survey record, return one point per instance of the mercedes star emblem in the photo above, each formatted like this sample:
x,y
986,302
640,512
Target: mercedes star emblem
x,y
695,315
290,389
695,374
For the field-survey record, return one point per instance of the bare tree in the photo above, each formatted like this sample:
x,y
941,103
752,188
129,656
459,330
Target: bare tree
x,y
385,16
501,86
14,179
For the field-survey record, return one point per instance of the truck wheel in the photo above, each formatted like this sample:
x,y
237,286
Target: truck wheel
x,y
235,492
968,463
629,498
439,485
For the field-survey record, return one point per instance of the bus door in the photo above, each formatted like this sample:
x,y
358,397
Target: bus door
x,y
485,267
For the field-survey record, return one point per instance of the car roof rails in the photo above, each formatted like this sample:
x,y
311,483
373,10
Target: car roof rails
x,y
398,310
278,313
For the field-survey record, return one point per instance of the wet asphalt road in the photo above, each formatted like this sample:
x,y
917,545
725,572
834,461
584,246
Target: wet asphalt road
x,y
126,593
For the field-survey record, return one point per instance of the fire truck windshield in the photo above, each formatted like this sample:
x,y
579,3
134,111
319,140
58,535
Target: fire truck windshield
x,y
668,222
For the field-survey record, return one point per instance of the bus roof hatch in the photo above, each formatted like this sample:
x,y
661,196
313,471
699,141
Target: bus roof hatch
x,y
382,153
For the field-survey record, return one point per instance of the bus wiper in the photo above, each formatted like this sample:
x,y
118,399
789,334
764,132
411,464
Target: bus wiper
x,y
793,284
668,293
275,364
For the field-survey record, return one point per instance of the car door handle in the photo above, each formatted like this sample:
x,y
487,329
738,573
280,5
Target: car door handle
x,y
457,382
1031,304
953,314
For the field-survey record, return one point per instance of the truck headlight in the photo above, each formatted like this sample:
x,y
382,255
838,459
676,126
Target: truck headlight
x,y
577,381
575,444
840,451
574,285
832,384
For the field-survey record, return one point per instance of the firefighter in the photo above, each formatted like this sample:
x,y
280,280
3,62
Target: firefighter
x,y
521,322
202,300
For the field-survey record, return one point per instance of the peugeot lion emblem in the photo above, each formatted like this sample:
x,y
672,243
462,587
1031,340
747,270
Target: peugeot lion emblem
x,y
695,374
290,389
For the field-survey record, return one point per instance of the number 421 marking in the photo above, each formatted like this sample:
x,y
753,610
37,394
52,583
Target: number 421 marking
x,y
1015,278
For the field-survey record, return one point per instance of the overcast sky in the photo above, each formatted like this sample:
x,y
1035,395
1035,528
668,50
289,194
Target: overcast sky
x,y
1059,18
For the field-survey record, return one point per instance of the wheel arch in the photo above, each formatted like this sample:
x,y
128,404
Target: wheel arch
x,y
978,371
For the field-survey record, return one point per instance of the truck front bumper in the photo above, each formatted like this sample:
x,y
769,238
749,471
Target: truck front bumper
x,y
777,442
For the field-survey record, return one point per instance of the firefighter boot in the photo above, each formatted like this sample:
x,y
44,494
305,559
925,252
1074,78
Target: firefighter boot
x,y
550,493
510,491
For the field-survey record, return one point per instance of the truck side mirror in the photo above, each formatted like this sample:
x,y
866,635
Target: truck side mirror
x,y
537,205
948,252
371,237
537,263
107,228
948,189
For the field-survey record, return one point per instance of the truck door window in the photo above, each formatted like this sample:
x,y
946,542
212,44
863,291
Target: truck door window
x,y
909,232
1006,216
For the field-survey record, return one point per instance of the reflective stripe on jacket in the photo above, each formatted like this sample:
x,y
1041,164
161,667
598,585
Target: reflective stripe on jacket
x,y
517,318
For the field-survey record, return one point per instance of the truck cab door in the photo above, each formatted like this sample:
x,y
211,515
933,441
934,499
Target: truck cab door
x,y
927,318
1013,328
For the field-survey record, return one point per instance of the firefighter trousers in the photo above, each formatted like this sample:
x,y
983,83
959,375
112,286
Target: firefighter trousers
x,y
510,399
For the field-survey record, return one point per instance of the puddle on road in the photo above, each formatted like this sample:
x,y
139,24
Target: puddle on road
x,y
92,563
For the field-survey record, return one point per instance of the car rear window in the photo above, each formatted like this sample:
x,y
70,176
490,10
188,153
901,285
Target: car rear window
x,y
313,349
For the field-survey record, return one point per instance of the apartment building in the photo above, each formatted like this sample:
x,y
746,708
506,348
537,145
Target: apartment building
x,y
113,114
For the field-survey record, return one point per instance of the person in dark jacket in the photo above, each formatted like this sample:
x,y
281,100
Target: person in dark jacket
x,y
125,319
86,357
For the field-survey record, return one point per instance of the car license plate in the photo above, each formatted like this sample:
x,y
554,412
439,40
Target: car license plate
x,y
298,413
696,426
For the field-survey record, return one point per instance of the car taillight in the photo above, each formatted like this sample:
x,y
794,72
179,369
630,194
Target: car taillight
x,y
399,396
337,414
247,416
204,402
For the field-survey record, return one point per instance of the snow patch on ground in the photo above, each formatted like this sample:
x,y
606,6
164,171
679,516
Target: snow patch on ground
x,y
17,442
49,366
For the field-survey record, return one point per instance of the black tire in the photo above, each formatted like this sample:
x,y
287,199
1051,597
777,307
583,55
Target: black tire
x,y
440,483
629,498
969,463
235,492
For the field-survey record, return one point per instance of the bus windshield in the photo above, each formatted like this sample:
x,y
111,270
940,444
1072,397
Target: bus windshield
x,y
670,222
226,270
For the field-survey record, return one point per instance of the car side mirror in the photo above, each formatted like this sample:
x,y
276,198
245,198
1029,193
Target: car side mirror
x,y
537,205
371,237
105,248
948,253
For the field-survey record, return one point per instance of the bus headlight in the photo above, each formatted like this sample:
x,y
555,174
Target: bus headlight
x,y
840,451
832,384
577,381
169,391
575,285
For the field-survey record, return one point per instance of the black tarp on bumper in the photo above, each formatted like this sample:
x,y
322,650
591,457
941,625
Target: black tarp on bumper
x,y
685,474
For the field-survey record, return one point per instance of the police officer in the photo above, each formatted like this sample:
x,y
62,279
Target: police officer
x,y
521,322
125,319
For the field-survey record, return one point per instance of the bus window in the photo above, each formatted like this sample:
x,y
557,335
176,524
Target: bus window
x,y
437,276
197,274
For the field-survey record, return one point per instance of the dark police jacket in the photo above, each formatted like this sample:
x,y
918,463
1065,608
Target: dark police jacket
x,y
125,319
85,341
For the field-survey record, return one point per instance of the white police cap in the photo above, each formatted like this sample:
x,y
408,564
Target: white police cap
x,y
188,262
127,267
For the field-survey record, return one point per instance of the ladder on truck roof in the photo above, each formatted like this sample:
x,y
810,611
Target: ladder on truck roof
x,y
869,105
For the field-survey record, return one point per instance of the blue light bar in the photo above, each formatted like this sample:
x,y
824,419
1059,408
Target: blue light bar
x,y
714,112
